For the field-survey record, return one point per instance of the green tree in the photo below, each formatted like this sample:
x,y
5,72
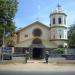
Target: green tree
x,y
60,49
71,36
8,9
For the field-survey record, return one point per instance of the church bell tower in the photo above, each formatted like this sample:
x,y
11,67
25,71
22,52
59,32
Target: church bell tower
x,y
58,29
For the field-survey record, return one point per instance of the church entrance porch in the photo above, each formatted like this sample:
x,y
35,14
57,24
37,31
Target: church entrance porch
x,y
37,53
37,48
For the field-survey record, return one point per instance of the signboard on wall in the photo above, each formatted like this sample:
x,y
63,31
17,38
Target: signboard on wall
x,y
7,53
7,50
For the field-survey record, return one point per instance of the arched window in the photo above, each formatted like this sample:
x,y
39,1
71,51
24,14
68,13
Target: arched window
x,y
37,32
59,20
60,36
53,20
37,41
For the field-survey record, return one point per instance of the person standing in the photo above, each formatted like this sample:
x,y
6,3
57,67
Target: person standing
x,y
26,56
46,56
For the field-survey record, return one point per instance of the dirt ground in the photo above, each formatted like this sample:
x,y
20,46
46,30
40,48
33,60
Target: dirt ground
x,y
37,65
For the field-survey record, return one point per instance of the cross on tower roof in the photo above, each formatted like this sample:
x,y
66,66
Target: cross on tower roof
x,y
59,6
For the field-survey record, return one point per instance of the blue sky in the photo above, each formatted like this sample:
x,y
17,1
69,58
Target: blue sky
x,y
30,10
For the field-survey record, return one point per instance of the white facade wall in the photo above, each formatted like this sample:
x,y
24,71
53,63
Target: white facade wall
x,y
65,34
52,31
29,32
57,32
56,20
61,43
62,32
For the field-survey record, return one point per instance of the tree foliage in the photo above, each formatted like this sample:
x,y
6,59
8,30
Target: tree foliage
x,y
8,9
59,50
71,36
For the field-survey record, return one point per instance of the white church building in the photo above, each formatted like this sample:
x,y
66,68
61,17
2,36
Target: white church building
x,y
38,37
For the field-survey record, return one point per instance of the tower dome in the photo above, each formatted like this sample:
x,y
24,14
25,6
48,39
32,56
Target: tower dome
x,y
58,10
58,17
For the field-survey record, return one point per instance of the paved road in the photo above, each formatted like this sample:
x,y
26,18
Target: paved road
x,y
35,73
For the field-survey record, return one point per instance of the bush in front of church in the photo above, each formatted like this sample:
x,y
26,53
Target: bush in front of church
x,y
59,50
